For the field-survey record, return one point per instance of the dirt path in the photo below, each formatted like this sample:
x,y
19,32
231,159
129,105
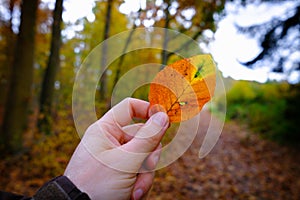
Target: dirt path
x,y
241,166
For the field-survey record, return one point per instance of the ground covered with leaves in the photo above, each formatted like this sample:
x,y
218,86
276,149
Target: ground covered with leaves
x,y
241,166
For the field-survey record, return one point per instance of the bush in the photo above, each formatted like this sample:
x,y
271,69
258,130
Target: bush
x,y
271,109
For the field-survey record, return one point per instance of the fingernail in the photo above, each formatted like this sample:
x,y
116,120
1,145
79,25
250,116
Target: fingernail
x,y
160,118
138,194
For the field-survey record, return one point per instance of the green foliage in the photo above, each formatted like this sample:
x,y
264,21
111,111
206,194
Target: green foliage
x,y
269,109
142,93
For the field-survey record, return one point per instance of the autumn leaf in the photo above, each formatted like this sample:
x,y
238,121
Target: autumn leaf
x,y
182,88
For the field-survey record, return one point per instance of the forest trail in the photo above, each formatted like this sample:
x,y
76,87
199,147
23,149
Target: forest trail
x,y
240,166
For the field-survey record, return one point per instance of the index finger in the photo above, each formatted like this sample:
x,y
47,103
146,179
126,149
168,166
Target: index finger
x,y
123,113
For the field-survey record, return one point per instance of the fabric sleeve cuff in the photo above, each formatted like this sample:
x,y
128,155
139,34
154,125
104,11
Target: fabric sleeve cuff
x,y
60,188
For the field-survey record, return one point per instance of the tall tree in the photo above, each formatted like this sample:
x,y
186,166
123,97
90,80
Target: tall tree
x,y
121,60
108,20
19,93
6,50
47,92
190,17
164,53
103,80
278,38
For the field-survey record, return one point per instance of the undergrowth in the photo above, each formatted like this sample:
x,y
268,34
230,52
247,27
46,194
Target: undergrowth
x,y
270,109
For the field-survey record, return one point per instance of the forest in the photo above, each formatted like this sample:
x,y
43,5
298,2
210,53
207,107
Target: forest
x,y
46,55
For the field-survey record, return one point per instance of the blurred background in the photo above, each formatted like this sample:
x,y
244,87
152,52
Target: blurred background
x,y
255,44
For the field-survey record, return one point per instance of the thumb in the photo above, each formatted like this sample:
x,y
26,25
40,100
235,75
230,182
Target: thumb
x,y
130,156
149,136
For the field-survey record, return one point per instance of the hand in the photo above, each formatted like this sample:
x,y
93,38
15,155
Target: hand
x,y
116,159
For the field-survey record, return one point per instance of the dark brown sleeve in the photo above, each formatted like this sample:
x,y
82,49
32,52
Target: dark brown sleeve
x,y
60,188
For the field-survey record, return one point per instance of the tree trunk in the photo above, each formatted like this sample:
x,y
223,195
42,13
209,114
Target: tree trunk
x,y
120,63
5,69
103,80
164,53
185,45
47,92
19,94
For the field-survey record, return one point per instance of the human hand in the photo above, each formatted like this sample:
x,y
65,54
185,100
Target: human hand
x,y
116,159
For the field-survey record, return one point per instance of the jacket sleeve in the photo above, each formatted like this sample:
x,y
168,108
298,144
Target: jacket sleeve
x,y
11,196
59,188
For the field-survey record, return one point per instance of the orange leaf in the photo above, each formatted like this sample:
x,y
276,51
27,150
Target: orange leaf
x,y
182,88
